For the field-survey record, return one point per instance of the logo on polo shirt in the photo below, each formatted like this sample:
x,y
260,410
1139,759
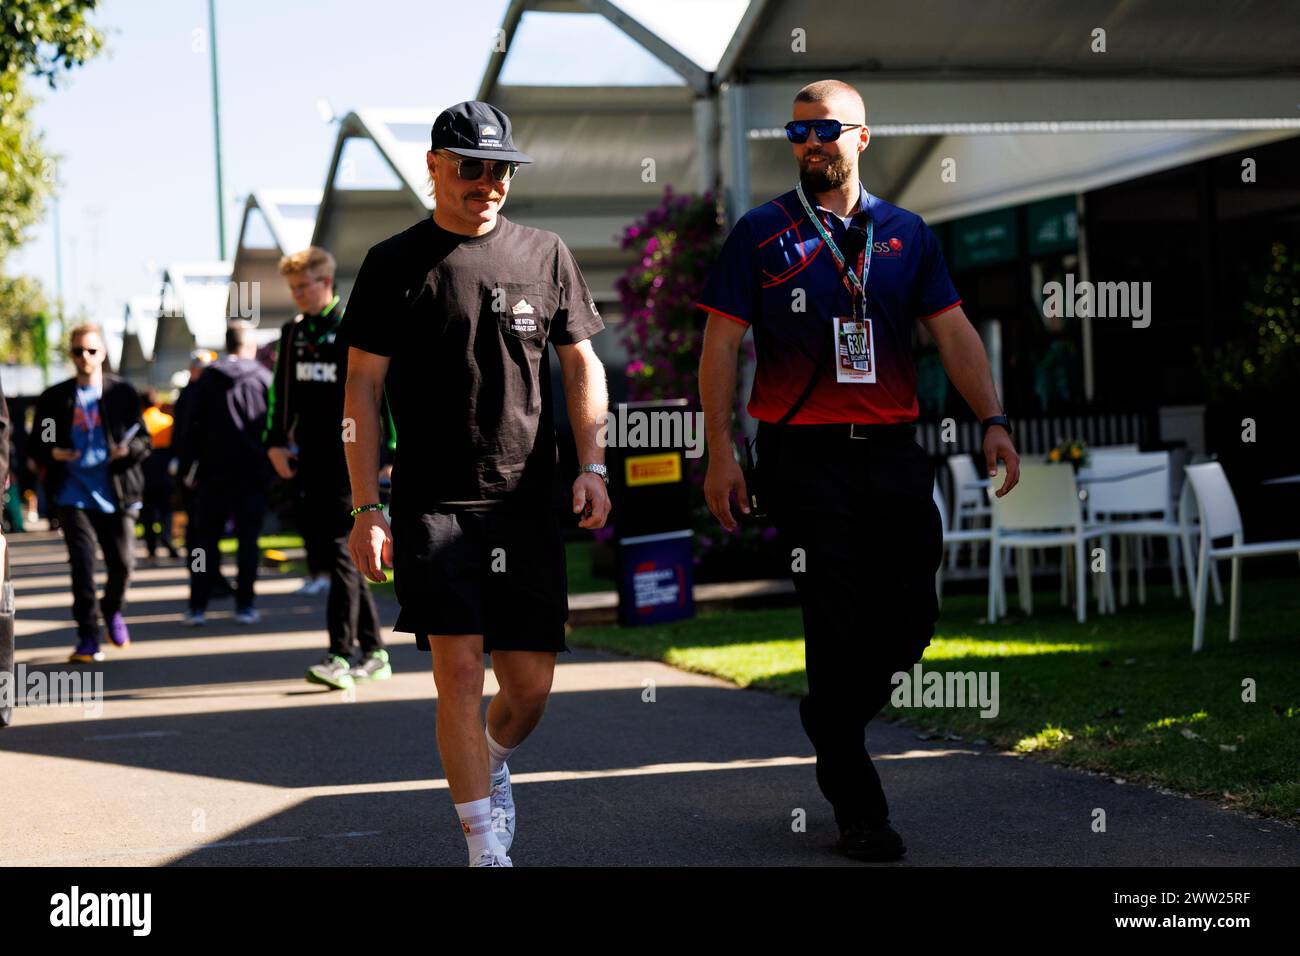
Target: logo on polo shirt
x,y
888,249
317,372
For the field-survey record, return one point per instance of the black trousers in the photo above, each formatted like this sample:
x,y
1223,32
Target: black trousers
x,y
351,615
216,585
217,501
157,509
862,514
82,528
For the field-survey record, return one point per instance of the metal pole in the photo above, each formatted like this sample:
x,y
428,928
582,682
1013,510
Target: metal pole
x,y
1085,329
706,143
216,128
58,262
736,172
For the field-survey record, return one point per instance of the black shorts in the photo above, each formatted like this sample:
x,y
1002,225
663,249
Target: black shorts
x,y
497,573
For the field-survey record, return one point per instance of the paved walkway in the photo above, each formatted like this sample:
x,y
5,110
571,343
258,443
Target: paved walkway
x,y
212,750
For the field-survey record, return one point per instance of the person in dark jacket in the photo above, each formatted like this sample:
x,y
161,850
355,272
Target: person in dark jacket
x,y
90,441
222,456
182,414
306,408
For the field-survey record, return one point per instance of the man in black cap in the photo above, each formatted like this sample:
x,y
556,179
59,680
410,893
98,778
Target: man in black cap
x,y
451,319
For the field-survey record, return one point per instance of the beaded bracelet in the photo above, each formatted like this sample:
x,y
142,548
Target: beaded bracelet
x,y
356,511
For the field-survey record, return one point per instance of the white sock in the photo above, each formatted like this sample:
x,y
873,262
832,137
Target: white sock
x,y
497,755
476,821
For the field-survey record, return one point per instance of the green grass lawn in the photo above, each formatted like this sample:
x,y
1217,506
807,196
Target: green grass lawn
x,y
230,545
1121,694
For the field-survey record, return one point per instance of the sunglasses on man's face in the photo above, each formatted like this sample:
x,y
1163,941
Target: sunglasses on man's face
x,y
472,169
827,130
78,351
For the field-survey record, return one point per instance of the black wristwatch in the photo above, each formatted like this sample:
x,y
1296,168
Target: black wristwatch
x,y
994,420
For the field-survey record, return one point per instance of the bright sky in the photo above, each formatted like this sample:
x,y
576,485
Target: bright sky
x,y
134,128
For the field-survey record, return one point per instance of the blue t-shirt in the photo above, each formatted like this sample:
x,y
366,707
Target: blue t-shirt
x,y
774,274
88,484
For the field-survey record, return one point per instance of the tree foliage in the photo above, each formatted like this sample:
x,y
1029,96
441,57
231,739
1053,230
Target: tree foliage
x,y
41,39
24,333
1261,361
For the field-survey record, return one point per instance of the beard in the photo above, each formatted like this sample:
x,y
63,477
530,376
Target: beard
x,y
833,174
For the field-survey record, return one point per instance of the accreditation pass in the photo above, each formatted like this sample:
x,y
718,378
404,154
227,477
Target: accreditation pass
x,y
855,350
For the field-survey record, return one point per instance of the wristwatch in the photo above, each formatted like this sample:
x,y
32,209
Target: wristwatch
x,y
597,470
994,420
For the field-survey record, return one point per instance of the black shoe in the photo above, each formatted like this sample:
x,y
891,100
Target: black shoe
x,y
877,843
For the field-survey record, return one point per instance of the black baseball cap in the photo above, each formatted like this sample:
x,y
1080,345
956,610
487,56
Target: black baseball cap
x,y
476,130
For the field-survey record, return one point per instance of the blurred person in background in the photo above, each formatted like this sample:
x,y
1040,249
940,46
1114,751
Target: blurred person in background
x,y
10,488
222,459
90,440
156,514
306,409
6,592
182,414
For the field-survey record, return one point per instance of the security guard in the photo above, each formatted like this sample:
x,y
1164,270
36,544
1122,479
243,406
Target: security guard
x,y
306,406
831,279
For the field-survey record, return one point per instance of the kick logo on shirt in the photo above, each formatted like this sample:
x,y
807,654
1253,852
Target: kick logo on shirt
x,y
317,371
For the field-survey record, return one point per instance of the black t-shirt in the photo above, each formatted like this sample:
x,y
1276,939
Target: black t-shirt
x,y
465,321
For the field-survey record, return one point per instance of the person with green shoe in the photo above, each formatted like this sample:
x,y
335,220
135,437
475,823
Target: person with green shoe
x,y
304,440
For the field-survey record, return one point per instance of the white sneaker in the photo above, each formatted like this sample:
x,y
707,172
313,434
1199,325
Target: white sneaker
x,y
490,858
503,808
193,619
308,587
248,616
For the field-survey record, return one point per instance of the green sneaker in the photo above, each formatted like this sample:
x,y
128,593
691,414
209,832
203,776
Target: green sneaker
x,y
332,672
374,666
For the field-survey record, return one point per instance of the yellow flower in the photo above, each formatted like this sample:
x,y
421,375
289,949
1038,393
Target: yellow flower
x,y
1055,455
1075,452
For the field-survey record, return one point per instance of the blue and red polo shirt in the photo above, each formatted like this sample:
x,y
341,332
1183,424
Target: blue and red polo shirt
x,y
773,252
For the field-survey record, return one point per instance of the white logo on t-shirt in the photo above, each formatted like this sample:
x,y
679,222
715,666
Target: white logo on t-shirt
x,y
317,372
522,308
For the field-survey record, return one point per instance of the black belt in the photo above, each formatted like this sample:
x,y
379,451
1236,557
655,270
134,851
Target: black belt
x,y
844,431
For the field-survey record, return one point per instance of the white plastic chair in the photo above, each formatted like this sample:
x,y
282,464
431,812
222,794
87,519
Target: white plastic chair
x,y
1217,507
1189,525
970,504
1137,507
953,536
1042,512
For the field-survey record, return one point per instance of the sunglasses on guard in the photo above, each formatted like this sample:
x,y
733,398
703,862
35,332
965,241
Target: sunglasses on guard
x,y
827,130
